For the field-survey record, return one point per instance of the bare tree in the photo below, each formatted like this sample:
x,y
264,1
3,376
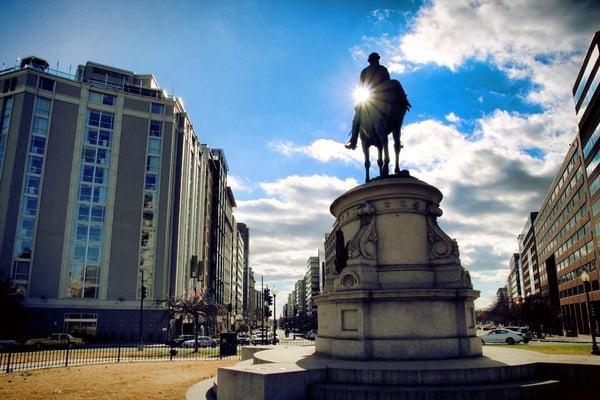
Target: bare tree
x,y
196,305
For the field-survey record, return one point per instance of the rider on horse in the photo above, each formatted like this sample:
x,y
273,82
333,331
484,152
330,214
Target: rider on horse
x,y
376,79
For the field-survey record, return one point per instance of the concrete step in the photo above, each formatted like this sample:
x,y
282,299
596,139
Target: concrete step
x,y
539,389
432,376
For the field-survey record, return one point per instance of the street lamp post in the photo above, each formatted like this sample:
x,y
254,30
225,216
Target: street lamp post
x,y
585,277
142,296
274,293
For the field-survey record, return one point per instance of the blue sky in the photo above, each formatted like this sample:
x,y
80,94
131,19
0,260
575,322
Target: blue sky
x,y
271,83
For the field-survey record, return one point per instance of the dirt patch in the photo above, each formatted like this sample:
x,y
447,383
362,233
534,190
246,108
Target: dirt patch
x,y
140,380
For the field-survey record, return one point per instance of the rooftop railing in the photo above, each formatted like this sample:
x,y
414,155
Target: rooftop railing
x,y
123,87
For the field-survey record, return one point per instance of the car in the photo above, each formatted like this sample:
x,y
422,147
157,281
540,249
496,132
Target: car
x,y
55,340
203,341
7,343
243,338
178,342
525,332
502,336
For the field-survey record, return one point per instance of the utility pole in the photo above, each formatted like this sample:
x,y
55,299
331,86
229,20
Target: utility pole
x,y
142,297
262,311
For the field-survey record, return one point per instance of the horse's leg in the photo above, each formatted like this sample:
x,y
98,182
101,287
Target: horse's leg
x,y
396,135
397,143
386,159
380,161
384,168
367,161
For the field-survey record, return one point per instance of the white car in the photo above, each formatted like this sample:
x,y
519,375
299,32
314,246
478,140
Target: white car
x,y
502,336
203,341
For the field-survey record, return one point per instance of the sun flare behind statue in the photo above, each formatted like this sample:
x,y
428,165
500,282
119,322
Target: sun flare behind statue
x,y
361,94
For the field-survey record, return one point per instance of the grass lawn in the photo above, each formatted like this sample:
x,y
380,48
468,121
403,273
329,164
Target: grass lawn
x,y
142,380
558,348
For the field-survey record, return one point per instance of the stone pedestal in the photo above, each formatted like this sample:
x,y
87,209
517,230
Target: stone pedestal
x,y
398,290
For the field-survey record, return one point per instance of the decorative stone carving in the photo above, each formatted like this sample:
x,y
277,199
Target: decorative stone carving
x,y
341,256
349,281
441,246
362,248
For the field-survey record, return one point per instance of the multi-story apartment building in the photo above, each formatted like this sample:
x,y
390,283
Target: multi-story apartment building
x,y
216,263
238,273
528,257
250,316
587,107
228,251
244,234
564,236
513,283
300,290
87,189
311,283
104,189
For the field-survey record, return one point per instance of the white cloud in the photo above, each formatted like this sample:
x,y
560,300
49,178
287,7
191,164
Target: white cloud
x,y
239,184
540,40
451,117
287,225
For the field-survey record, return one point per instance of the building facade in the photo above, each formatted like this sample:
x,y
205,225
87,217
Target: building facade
x,y
513,283
587,107
528,257
104,189
311,284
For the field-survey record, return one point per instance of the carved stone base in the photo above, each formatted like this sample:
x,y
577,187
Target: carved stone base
x,y
401,293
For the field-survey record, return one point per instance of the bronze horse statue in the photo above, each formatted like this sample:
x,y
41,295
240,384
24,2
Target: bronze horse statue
x,y
379,115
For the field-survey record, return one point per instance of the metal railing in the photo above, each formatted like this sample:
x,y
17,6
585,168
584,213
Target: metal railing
x,y
21,358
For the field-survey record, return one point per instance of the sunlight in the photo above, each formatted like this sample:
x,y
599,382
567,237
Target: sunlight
x,y
361,94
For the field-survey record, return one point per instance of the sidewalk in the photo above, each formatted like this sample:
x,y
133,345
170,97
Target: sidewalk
x,y
565,339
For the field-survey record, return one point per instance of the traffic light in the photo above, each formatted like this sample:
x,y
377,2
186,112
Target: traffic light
x,y
267,302
268,299
144,292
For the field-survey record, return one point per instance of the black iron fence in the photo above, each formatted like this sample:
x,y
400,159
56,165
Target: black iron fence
x,y
20,358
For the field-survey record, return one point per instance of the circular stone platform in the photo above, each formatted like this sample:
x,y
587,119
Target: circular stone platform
x,y
502,373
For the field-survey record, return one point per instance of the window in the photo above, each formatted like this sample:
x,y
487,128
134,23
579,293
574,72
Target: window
x,y
155,128
27,227
37,145
9,85
94,118
150,182
158,108
32,185
101,98
93,254
46,84
40,125
23,248
586,74
42,105
154,146
97,214
152,164
29,206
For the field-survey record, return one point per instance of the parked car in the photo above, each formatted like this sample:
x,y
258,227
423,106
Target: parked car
x,y
502,336
243,338
55,340
178,342
311,335
203,341
525,332
6,343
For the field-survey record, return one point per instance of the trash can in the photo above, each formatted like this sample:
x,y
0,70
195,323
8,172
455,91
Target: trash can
x,y
228,344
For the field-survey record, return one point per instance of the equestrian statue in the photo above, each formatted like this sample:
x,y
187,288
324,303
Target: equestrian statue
x,y
381,104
